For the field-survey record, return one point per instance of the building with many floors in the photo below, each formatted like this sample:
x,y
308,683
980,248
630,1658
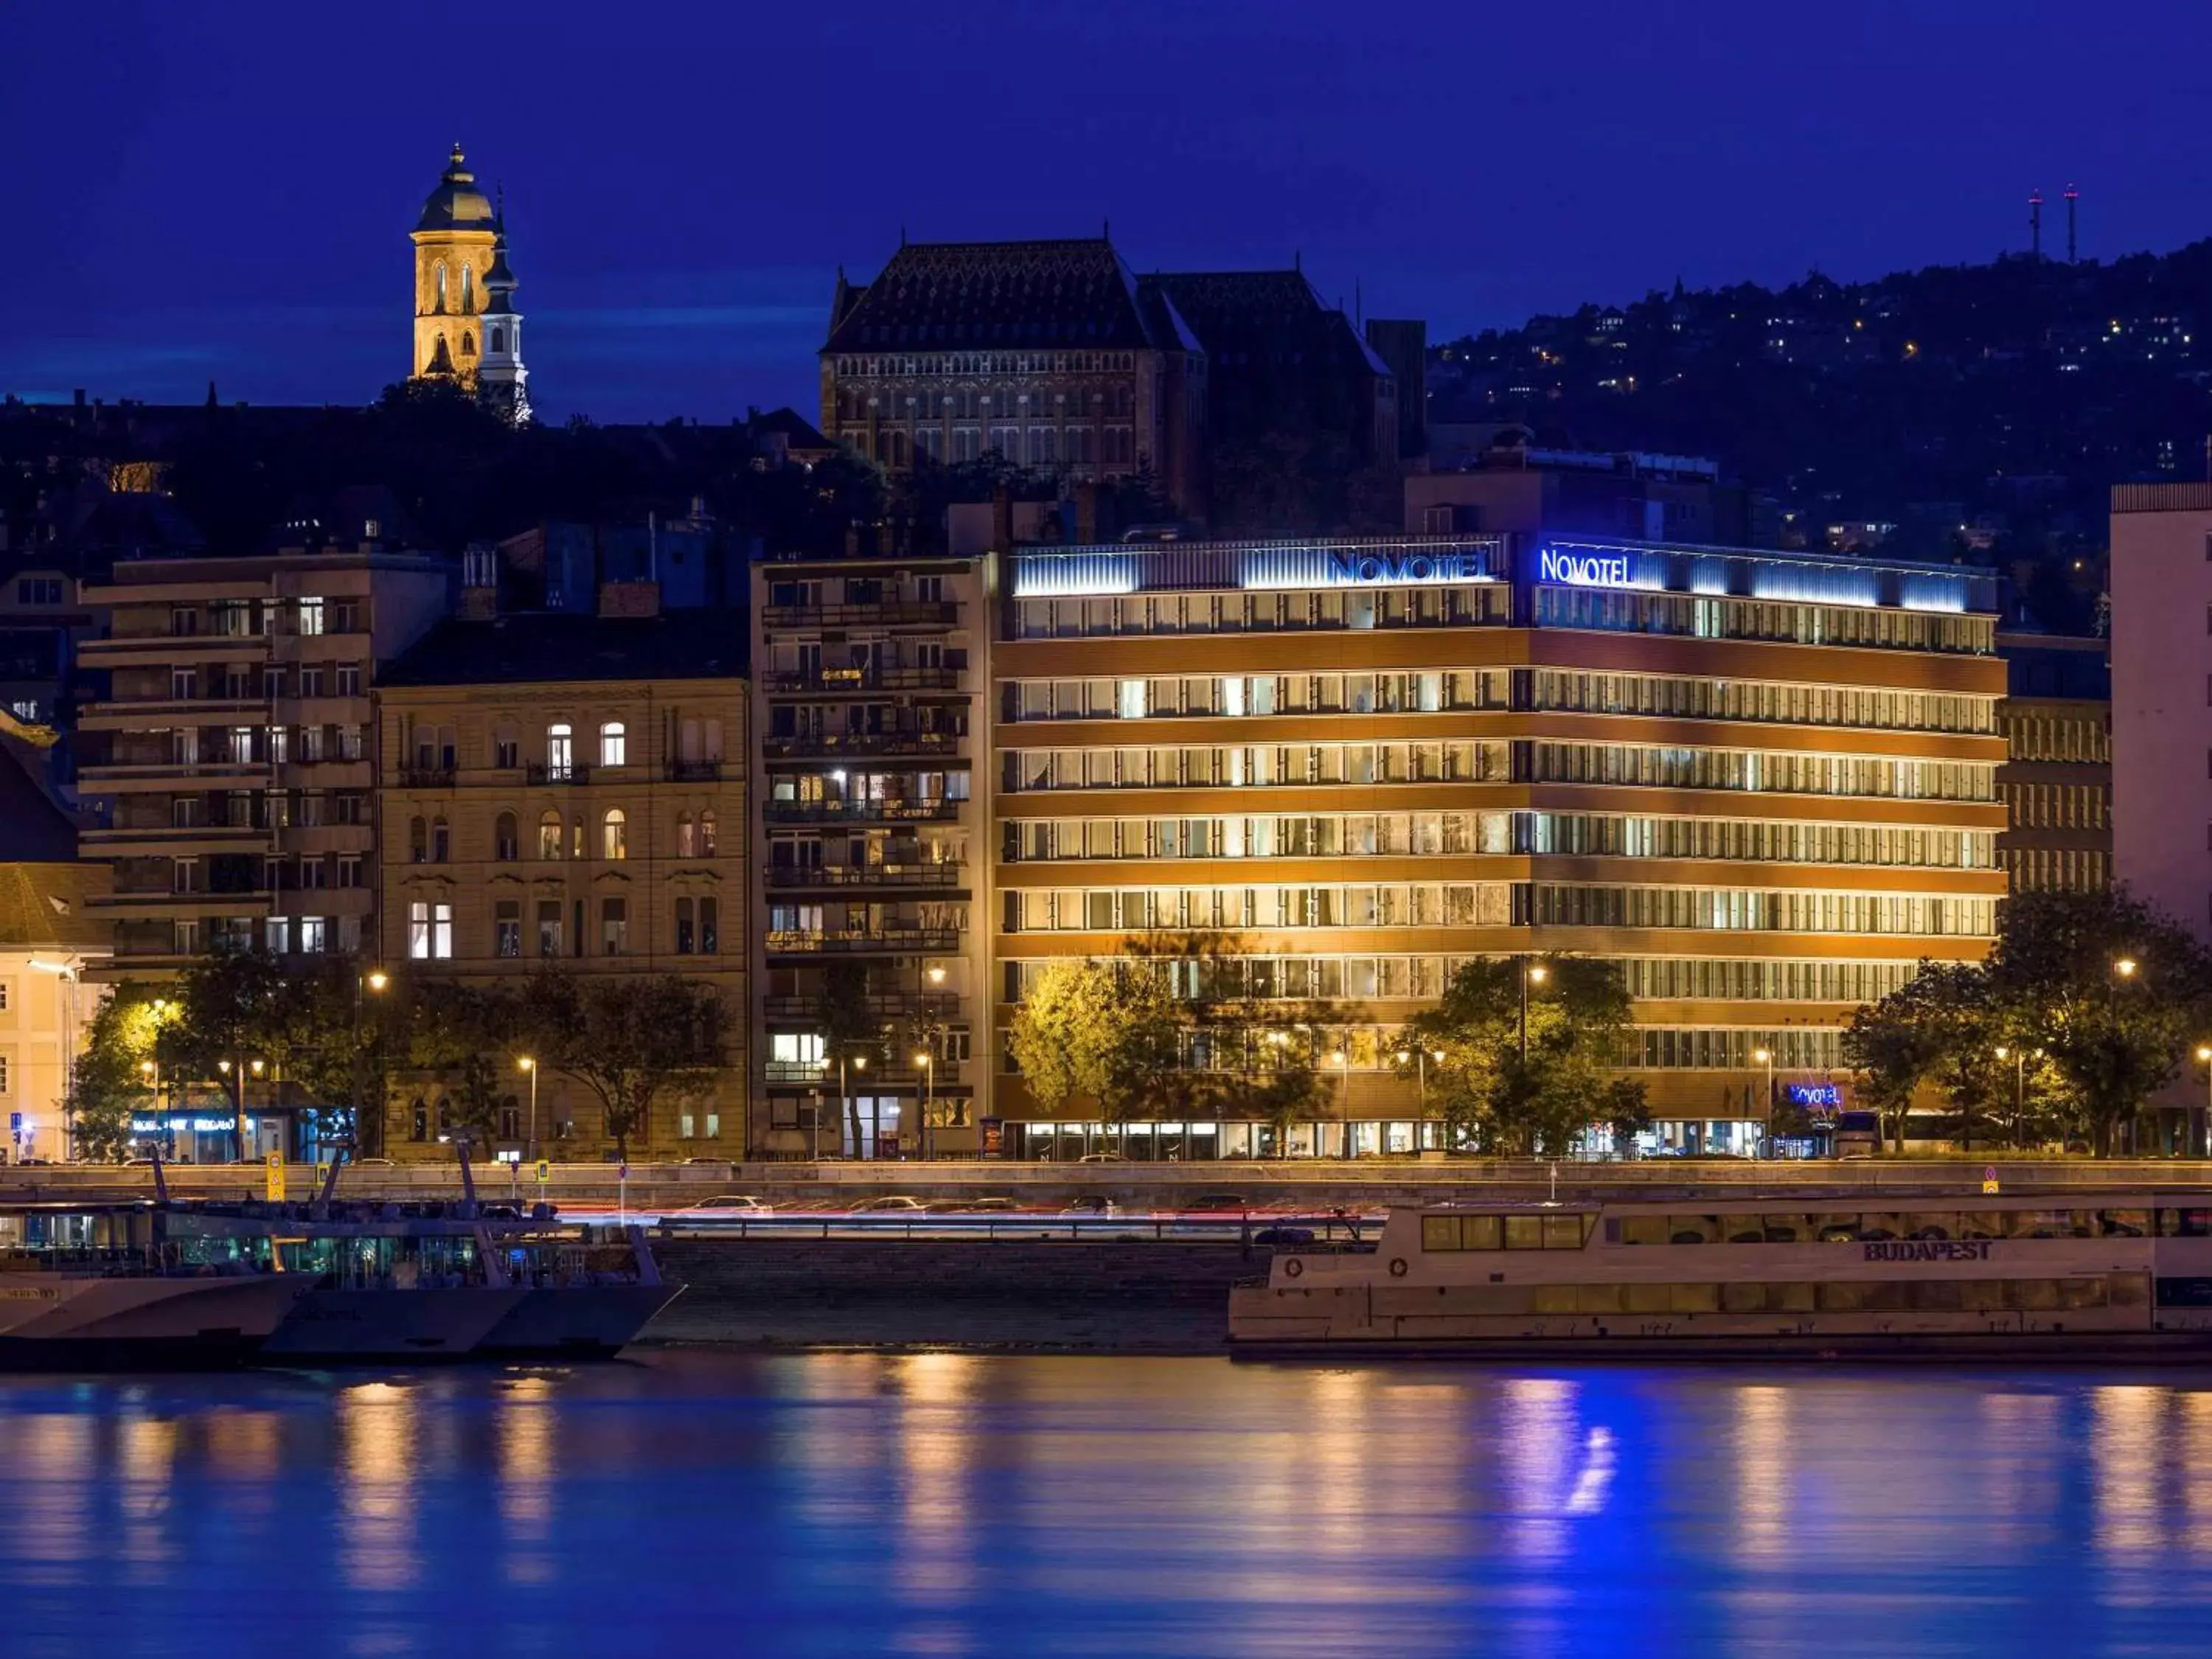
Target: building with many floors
x,y
870,844
570,790
1762,782
2057,781
232,758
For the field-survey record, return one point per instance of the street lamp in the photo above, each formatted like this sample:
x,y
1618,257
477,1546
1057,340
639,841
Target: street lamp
x,y
844,1103
528,1065
1342,1061
2196,1134
2126,967
927,1061
374,980
1766,1057
1533,973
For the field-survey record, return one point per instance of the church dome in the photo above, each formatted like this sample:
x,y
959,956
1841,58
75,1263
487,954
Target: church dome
x,y
457,203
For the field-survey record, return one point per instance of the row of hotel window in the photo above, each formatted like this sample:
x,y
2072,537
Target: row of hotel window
x,y
248,682
1584,834
559,927
937,364
242,618
2083,739
1423,978
267,745
2057,805
1377,1048
1695,616
2057,870
1496,904
1446,690
1496,761
267,809
280,873
429,840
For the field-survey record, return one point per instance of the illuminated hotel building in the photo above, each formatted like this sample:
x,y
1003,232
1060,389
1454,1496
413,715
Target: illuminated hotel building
x,y
1764,782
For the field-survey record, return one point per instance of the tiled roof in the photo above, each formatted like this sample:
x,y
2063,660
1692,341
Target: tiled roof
x,y
1237,312
992,296
543,647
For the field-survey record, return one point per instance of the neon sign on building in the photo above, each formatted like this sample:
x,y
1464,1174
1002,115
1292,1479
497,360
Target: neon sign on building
x,y
1583,569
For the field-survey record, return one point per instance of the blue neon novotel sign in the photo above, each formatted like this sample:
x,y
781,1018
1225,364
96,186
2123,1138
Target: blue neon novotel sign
x,y
1830,1095
1583,569
1401,569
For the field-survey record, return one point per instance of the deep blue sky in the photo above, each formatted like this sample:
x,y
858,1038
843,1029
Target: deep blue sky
x,y
224,189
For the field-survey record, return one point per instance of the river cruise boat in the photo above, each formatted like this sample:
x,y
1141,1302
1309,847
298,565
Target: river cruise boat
x,y
2102,1276
382,1285
96,1288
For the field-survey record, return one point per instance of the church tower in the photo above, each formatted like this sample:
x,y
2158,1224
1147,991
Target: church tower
x,y
456,244
500,372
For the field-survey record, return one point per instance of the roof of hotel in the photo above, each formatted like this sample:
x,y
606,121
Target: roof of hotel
x,y
546,647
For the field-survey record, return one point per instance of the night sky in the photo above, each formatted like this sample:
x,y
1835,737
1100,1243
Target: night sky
x,y
223,190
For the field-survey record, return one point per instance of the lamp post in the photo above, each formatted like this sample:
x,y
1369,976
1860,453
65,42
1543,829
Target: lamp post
x,y
927,1060
65,1000
844,1104
2123,972
374,980
1532,973
1766,1057
2198,1130
527,1064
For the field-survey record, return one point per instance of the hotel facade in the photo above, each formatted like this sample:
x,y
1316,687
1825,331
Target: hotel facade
x,y
1764,783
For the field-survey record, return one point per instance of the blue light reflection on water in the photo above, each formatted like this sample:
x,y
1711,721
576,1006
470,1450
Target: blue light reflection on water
x,y
954,1504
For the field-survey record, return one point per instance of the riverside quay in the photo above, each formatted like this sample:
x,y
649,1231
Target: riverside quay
x,y
1764,782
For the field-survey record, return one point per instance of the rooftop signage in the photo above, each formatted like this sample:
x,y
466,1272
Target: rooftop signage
x,y
1583,569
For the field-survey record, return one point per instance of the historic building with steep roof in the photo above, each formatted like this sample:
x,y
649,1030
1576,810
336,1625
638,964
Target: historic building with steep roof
x,y
1055,356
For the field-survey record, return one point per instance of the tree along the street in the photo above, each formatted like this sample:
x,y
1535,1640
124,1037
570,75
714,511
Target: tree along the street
x,y
851,1031
1517,1098
634,1042
111,1078
1105,1032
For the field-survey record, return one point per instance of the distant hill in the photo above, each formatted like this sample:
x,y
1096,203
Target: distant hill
x,y
2006,396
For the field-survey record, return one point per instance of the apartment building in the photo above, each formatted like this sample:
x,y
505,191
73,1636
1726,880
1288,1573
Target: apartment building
x,y
868,842
231,757
570,790
1764,782
2057,781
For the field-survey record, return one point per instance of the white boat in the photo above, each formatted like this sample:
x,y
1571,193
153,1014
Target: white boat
x,y
2102,1276
91,1288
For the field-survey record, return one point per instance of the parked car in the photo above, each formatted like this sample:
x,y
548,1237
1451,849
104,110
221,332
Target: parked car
x,y
889,1204
995,1205
740,1204
1092,1203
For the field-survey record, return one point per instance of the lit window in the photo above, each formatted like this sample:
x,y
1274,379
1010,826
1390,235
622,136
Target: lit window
x,y
614,745
706,834
559,750
614,835
429,931
549,835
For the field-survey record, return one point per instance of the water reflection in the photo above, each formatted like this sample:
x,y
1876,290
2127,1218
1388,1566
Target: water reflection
x,y
964,1505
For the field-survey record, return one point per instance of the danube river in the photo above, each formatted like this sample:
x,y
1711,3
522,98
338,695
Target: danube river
x,y
848,1504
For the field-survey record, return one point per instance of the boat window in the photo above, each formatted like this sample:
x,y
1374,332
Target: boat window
x,y
2129,1290
1597,1298
1938,1296
1459,1232
2081,1292
1744,1229
1553,1300
1440,1232
1835,1229
1692,1229
1565,1232
1644,1298
1881,1224
2184,1224
1741,1297
1524,1232
1643,1230
2031,1295
1785,1229
2123,1223
1478,1232
1694,1298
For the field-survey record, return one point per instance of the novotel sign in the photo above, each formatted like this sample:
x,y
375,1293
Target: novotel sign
x,y
1583,569
1401,569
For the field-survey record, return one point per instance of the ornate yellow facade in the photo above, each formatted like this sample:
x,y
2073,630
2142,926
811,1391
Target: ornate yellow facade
x,y
454,248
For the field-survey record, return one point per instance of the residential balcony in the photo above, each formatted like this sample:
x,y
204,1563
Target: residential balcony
x,y
174,841
832,746
160,650
162,714
694,771
172,777
890,613
861,941
872,1078
331,772
575,773
426,777
947,874
862,811
889,1005
156,907
833,680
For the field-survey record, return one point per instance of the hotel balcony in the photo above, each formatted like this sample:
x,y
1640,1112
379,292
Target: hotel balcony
x,y
175,841
834,680
886,613
862,811
835,745
161,650
837,876
427,777
859,941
